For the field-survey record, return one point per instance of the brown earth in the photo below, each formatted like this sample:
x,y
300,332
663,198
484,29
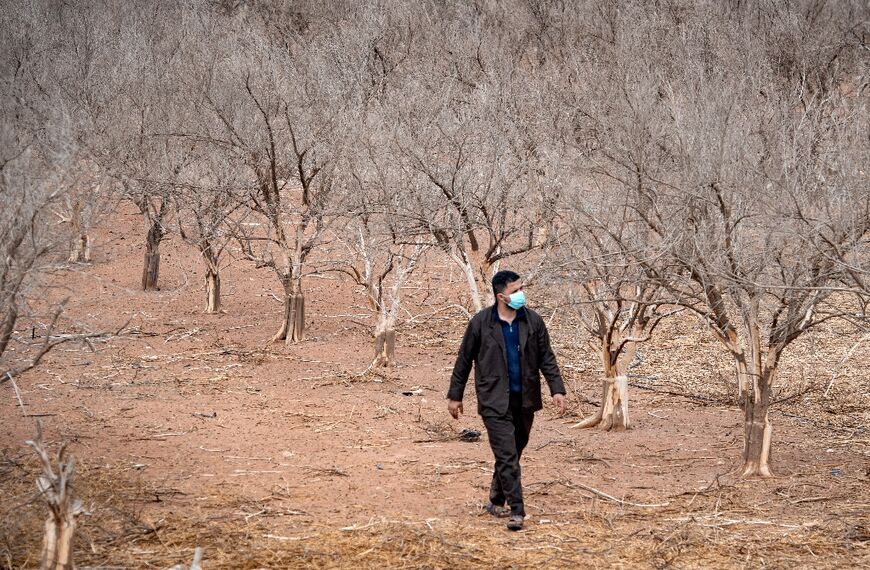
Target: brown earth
x,y
191,431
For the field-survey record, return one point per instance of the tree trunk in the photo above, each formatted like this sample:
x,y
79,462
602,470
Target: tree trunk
x,y
49,544
744,382
385,346
212,291
472,240
151,270
473,289
485,271
757,428
293,325
56,489
57,551
80,246
613,413
80,249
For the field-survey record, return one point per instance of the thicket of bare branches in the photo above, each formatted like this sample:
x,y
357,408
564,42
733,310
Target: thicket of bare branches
x,y
41,161
647,157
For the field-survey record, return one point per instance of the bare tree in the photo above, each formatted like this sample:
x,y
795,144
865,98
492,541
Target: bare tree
x,y
57,490
138,149
37,147
207,208
612,281
474,150
283,119
84,77
382,239
82,207
386,265
41,162
752,183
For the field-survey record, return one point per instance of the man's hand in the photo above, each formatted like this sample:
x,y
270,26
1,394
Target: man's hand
x,y
559,402
455,408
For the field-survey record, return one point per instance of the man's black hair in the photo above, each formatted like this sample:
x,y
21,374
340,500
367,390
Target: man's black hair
x,y
501,279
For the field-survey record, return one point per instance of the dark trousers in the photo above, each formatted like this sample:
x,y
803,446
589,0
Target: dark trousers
x,y
508,436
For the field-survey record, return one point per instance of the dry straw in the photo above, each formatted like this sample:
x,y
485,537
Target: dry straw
x,y
133,525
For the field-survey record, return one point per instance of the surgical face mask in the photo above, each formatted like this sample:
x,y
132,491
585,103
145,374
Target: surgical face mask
x,y
517,300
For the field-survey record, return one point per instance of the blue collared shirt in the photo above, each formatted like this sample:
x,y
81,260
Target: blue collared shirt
x,y
511,334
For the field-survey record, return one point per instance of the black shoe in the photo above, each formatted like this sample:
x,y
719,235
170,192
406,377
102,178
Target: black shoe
x,y
515,522
497,511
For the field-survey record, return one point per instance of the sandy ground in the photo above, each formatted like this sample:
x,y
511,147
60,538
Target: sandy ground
x,y
202,413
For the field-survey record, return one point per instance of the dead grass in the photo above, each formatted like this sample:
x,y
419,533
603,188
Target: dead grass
x,y
719,526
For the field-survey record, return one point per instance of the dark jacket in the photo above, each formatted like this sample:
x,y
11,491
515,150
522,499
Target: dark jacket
x,y
483,345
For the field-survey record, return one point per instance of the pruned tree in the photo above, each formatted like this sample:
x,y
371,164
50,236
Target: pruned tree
x,y
607,261
138,154
84,76
755,181
56,488
386,265
385,248
285,119
208,206
613,283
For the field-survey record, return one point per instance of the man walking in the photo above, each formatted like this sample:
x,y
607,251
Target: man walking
x,y
509,345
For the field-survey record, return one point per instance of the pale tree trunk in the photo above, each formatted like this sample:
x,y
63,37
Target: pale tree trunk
x,y
384,334
465,264
293,324
757,428
80,249
754,380
57,543
212,291
385,343
485,272
212,278
80,245
388,305
613,413
744,379
151,269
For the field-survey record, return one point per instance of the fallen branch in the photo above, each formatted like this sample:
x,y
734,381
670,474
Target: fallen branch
x,y
703,400
604,495
48,344
17,393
